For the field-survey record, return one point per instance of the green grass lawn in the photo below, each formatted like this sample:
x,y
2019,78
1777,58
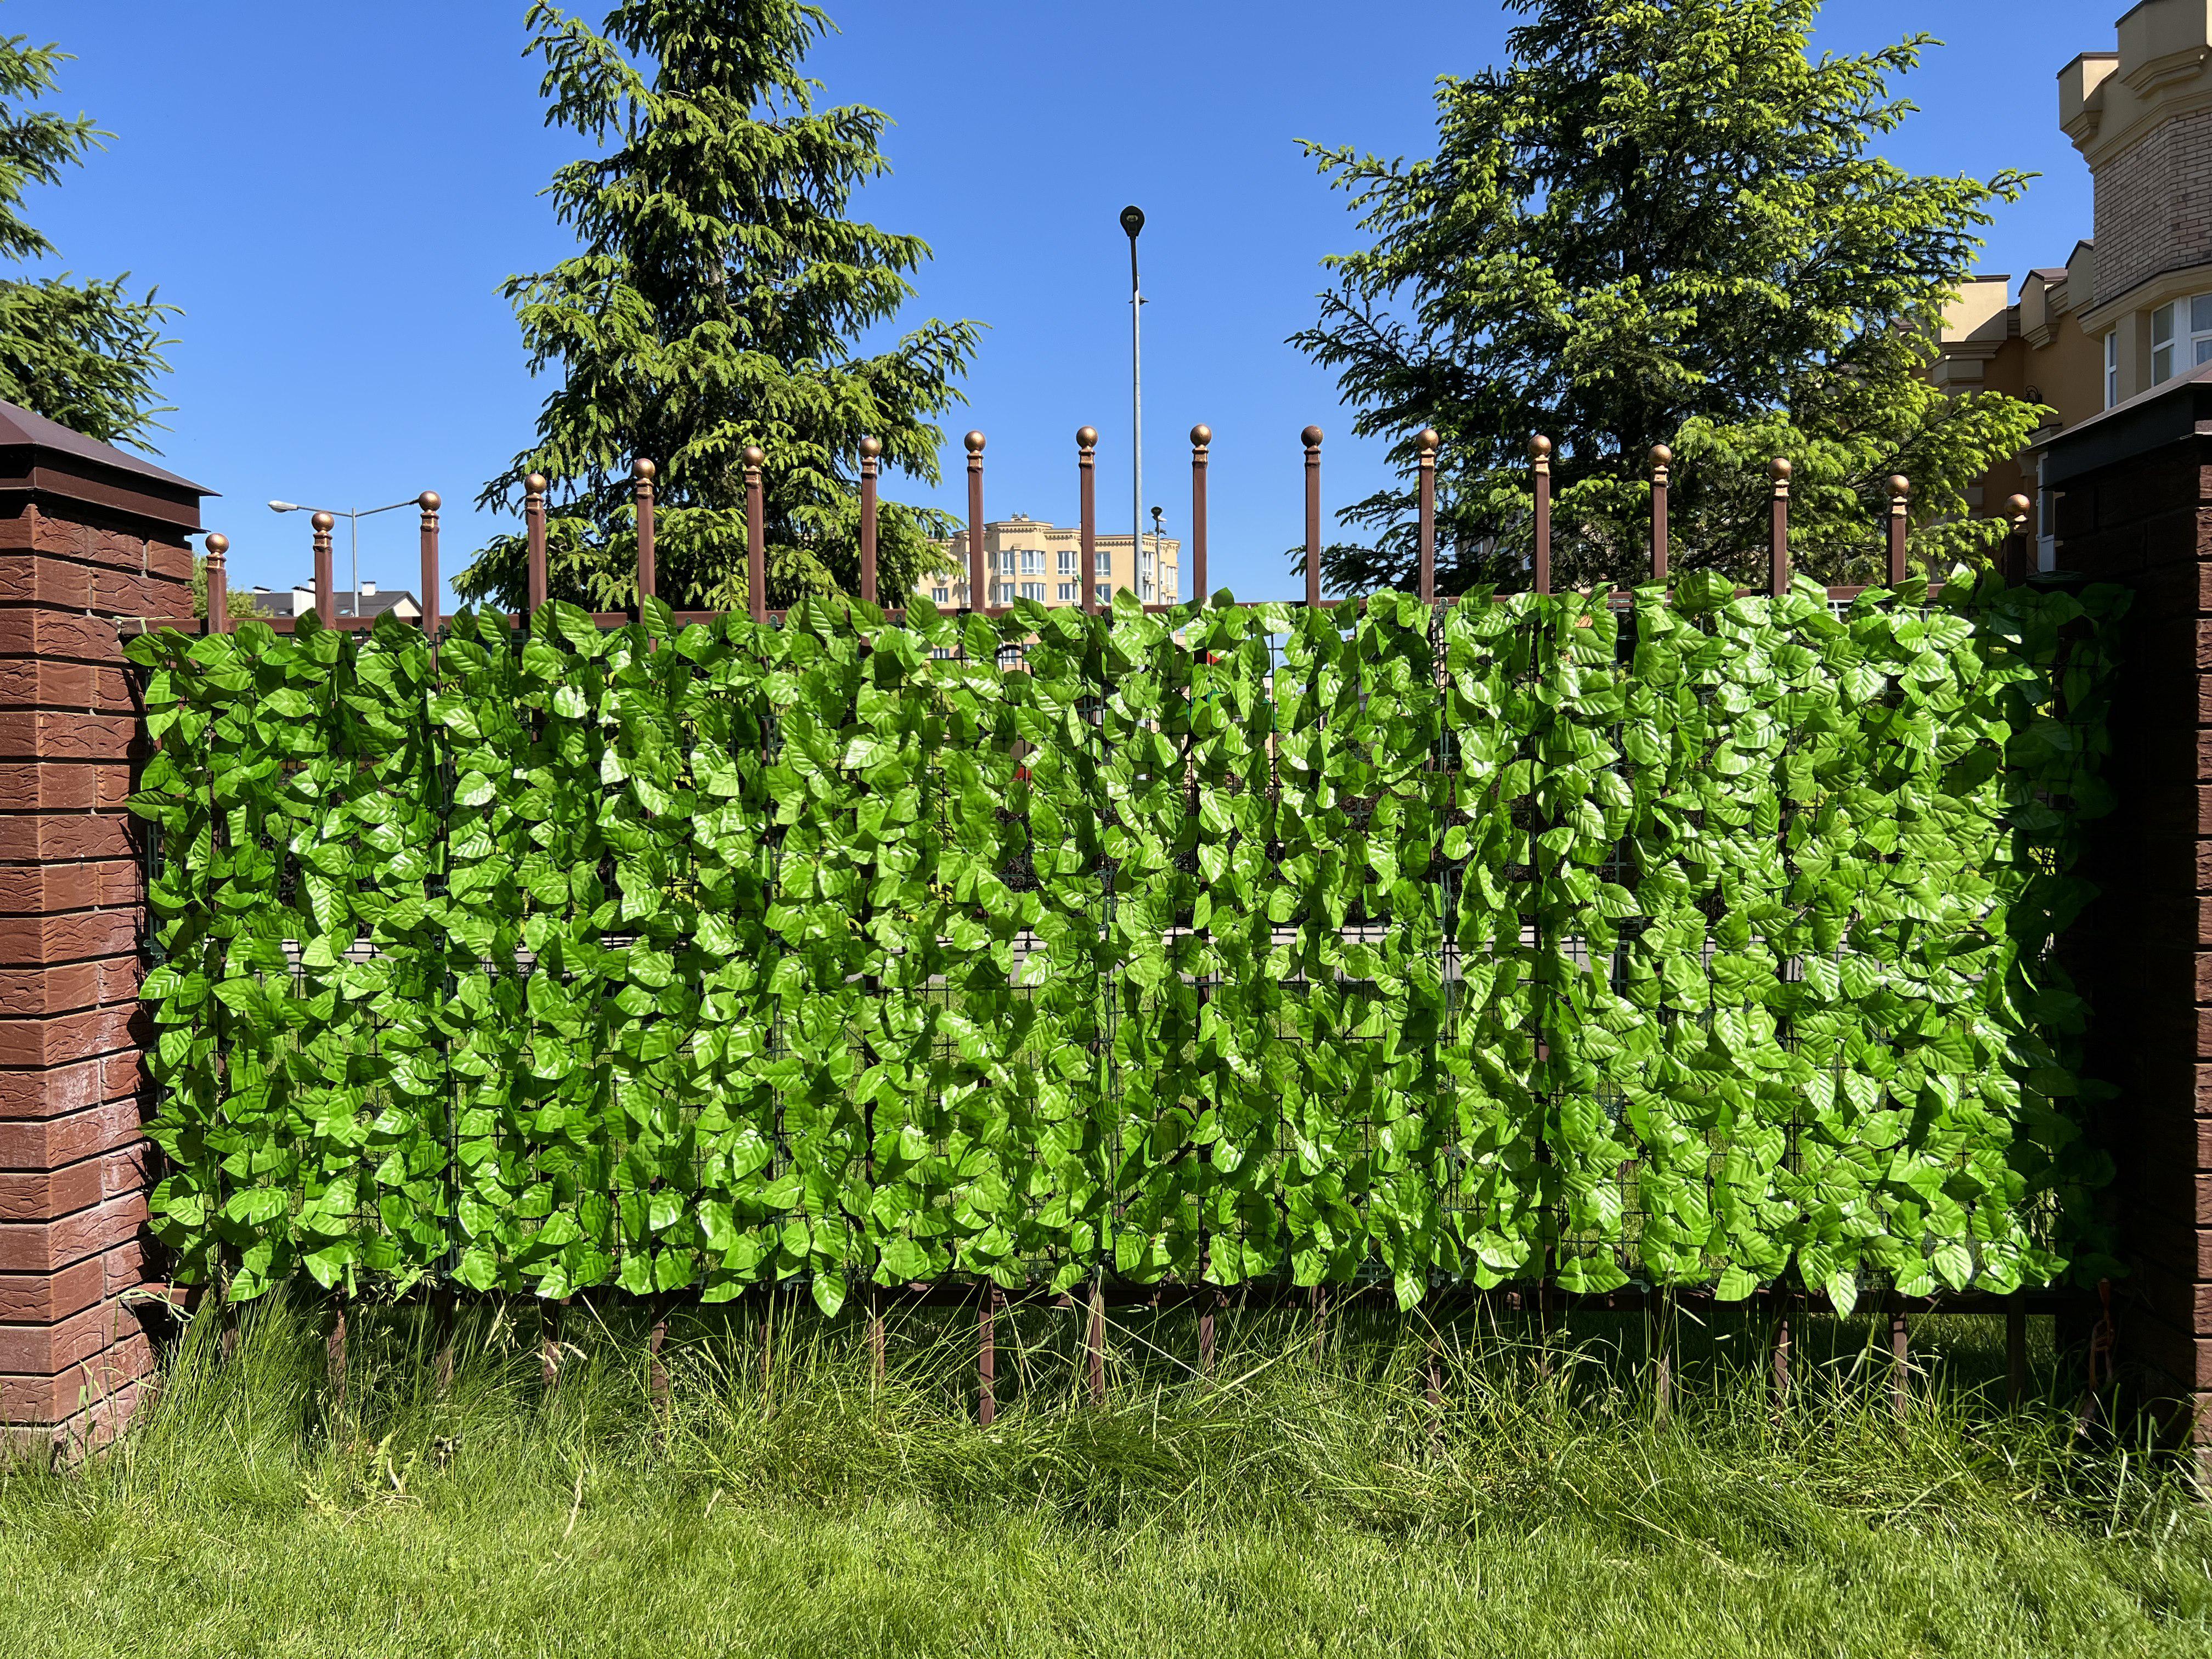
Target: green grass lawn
x,y
1298,1503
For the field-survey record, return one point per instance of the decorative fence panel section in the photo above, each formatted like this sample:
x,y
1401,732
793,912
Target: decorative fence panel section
x,y
1684,938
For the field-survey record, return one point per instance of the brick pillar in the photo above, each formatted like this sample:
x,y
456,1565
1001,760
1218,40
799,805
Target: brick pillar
x,y
89,537
2136,507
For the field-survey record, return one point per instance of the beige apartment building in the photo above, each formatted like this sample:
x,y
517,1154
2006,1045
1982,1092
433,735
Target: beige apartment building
x,y
1026,558
2132,308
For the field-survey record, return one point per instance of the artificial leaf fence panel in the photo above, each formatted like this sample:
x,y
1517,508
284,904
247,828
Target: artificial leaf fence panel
x,y
1686,938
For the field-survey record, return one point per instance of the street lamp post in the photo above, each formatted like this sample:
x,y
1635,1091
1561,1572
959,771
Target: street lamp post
x,y
1159,564
355,517
1133,222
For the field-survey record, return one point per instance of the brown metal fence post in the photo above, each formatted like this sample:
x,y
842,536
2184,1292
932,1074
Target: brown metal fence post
x,y
533,520
2017,509
429,503
325,582
1312,436
979,593
1094,1344
1662,459
871,450
1425,442
1209,1304
1539,461
1086,471
1777,546
755,537
334,1355
656,1368
1201,440
1781,1362
1321,1321
218,584
642,473
1900,1362
876,1335
986,1357
443,1303
549,1343
1432,1391
1660,1327
2015,1354
1901,489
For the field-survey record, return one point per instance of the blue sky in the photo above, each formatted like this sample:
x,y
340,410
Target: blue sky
x,y
334,194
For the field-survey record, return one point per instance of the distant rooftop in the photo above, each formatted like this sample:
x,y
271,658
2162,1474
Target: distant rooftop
x,y
371,601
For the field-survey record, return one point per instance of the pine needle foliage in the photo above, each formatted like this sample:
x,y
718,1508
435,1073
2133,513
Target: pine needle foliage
x,y
714,304
84,354
1661,221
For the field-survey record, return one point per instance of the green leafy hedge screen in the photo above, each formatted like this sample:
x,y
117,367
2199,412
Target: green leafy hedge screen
x,y
1702,940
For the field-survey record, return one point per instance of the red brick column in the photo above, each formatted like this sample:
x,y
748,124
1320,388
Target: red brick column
x,y
88,536
2136,507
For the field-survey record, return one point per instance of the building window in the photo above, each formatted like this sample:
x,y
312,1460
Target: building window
x,y
1104,594
1105,562
1067,593
1067,563
941,594
2175,349
1033,590
2112,368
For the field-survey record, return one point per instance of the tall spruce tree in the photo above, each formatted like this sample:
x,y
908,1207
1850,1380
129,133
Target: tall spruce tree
x,y
1660,222
715,305
85,354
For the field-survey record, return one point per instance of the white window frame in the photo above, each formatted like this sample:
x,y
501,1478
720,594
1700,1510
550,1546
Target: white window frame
x,y
2112,368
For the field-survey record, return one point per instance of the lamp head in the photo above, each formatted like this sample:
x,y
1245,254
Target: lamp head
x,y
1132,220
283,507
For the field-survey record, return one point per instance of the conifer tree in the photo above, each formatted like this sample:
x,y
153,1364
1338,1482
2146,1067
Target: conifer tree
x,y
84,354
714,304
1660,222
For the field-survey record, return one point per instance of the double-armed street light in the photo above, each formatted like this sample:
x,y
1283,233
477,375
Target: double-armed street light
x,y
356,516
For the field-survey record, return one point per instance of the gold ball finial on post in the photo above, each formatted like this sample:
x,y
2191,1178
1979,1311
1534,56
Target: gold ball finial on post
x,y
323,523
534,484
1201,435
755,456
1662,457
871,447
974,442
1779,470
429,501
2017,509
218,585
1428,440
643,470
1086,437
1900,489
1310,437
